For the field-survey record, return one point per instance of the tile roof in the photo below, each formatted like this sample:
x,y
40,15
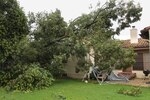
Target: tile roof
x,y
142,43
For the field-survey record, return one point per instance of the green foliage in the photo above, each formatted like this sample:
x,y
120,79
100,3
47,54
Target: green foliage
x,y
136,91
51,39
13,27
27,78
103,18
60,97
27,54
127,59
110,54
57,67
4,78
96,30
51,48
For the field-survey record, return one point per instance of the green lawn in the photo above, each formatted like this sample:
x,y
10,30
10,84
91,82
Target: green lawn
x,y
75,90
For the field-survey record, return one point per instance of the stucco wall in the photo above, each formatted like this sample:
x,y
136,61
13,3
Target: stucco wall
x,y
70,69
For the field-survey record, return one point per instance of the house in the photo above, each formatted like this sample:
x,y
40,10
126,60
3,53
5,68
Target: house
x,y
143,54
141,47
142,60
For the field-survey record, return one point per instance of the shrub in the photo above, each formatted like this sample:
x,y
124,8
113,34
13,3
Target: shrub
x,y
133,92
32,77
4,78
59,96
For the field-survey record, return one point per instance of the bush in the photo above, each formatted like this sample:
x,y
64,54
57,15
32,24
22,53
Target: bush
x,y
4,78
32,77
59,96
133,92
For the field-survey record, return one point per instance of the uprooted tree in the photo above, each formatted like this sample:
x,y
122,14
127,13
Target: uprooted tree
x,y
55,42
52,42
96,31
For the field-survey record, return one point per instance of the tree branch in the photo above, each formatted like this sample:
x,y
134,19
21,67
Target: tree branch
x,y
94,20
56,40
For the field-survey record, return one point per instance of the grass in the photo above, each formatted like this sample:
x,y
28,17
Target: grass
x,y
75,90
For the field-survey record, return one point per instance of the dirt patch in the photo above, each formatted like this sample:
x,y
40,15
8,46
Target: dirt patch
x,y
134,82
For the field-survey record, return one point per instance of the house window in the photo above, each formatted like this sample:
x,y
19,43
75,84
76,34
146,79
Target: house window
x,y
139,62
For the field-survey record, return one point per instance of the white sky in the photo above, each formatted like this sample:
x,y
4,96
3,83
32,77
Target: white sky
x,y
71,9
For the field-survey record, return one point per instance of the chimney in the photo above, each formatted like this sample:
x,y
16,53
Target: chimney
x,y
133,35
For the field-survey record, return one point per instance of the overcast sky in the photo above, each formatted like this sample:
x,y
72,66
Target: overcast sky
x,y
71,9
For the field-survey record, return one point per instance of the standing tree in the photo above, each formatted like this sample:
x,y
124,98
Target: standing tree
x,y
13,28
49,39
15,73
